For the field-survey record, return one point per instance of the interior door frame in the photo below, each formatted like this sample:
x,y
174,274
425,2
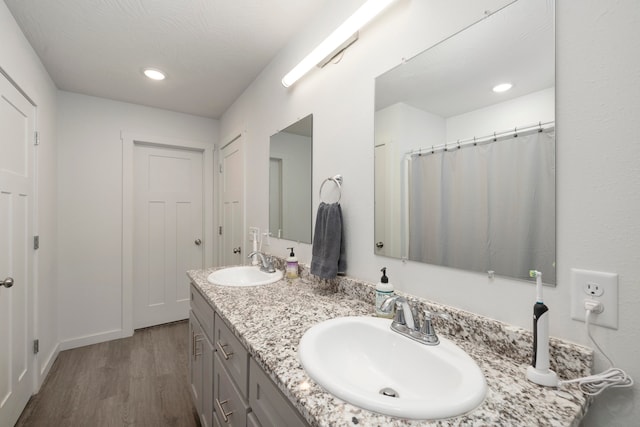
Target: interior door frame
x,y
129,142
233,137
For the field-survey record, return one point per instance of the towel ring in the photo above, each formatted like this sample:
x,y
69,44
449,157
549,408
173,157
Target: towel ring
x,y
337,179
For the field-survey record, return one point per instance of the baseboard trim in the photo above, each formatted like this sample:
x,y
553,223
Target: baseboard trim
x,y
92,339
44,368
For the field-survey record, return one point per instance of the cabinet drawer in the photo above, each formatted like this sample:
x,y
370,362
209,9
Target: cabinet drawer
x,y
270,406
233,355
203,311
230,407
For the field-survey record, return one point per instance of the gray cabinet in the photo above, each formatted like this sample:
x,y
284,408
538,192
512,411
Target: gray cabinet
x,y
269,405
229,388
231,407
201,357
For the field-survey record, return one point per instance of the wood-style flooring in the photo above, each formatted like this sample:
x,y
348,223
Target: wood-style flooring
x,y
137,381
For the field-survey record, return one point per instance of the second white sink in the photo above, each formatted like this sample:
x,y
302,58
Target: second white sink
x,y
363,362
243,276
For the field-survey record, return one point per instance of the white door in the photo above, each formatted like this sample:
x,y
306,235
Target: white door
x,y
232,183
167,226
17,117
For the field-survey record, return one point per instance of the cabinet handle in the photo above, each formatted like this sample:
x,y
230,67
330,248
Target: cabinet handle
x,y
224,353
225,415
193,344
196,339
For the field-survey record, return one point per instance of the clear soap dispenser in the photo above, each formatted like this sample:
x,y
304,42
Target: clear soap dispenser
x,y
292,265
384,290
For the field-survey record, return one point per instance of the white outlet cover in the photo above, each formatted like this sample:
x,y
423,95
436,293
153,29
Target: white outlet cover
x,y
607,285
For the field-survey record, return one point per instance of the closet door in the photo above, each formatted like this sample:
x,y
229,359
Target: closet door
x,y
16,252
168,239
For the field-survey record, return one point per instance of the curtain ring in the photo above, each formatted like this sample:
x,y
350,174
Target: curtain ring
x,y
495,138
515,132
432,150
474,141
458,144
539,126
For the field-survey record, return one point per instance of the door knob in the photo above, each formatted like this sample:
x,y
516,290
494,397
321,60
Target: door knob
x,y
7,283
236,250
379,245
198,242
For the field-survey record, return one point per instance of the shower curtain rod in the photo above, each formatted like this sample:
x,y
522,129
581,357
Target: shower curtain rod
x,y
540,127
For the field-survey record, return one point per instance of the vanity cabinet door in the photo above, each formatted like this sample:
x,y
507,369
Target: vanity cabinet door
x,y
206,416
201,371
203,311
230,407
195,361
270,406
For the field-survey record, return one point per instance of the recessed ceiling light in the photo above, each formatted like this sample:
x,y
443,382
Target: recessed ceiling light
x,y
154,74
502,87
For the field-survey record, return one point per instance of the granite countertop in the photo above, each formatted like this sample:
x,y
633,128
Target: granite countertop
x,y
270,320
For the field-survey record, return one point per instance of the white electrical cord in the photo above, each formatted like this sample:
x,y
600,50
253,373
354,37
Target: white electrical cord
x,y
612,377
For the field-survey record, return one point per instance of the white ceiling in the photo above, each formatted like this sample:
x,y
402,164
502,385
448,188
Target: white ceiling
x,y
516,44
211,49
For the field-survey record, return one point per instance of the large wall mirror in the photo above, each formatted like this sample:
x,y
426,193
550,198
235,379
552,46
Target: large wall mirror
x,y
465,176
290,160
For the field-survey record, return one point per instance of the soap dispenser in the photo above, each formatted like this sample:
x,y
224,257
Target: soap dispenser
x,y
292,265
384,290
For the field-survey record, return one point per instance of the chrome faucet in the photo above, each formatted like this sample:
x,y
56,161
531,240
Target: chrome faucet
x,y
407,322
266,263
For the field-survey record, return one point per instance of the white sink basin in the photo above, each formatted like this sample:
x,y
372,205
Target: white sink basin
x,y
355,358
243,276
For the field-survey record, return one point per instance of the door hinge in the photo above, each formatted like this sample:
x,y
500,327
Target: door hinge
x,y
36,138
220,167
36,243
220,230
36,346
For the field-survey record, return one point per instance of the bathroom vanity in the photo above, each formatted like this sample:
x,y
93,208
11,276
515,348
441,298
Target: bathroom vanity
x,y
245,369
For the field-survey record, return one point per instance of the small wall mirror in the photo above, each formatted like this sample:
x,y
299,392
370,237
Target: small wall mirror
x,y
290,161
465,176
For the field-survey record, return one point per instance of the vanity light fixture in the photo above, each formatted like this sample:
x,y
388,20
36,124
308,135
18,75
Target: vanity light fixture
x,y
338,40
154,74
502,87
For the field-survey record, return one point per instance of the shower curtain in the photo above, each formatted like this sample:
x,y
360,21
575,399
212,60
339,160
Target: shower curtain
x,y
486,207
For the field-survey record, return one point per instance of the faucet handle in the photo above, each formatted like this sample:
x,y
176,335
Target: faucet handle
x,y
427,330
399,317
268,264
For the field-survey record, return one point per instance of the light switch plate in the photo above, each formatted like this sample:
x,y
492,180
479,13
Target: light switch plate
x,y
596,286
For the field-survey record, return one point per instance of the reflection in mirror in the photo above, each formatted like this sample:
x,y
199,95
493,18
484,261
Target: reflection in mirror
x,y
465,176
290,181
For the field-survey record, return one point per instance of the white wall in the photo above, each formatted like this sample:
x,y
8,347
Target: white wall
x,y
90,205
522,111
597,106
19,61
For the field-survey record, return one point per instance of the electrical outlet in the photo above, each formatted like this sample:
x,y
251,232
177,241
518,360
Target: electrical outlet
x,y
593,289
595,286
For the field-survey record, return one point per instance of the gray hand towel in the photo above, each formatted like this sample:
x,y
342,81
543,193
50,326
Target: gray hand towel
x,y
328,254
